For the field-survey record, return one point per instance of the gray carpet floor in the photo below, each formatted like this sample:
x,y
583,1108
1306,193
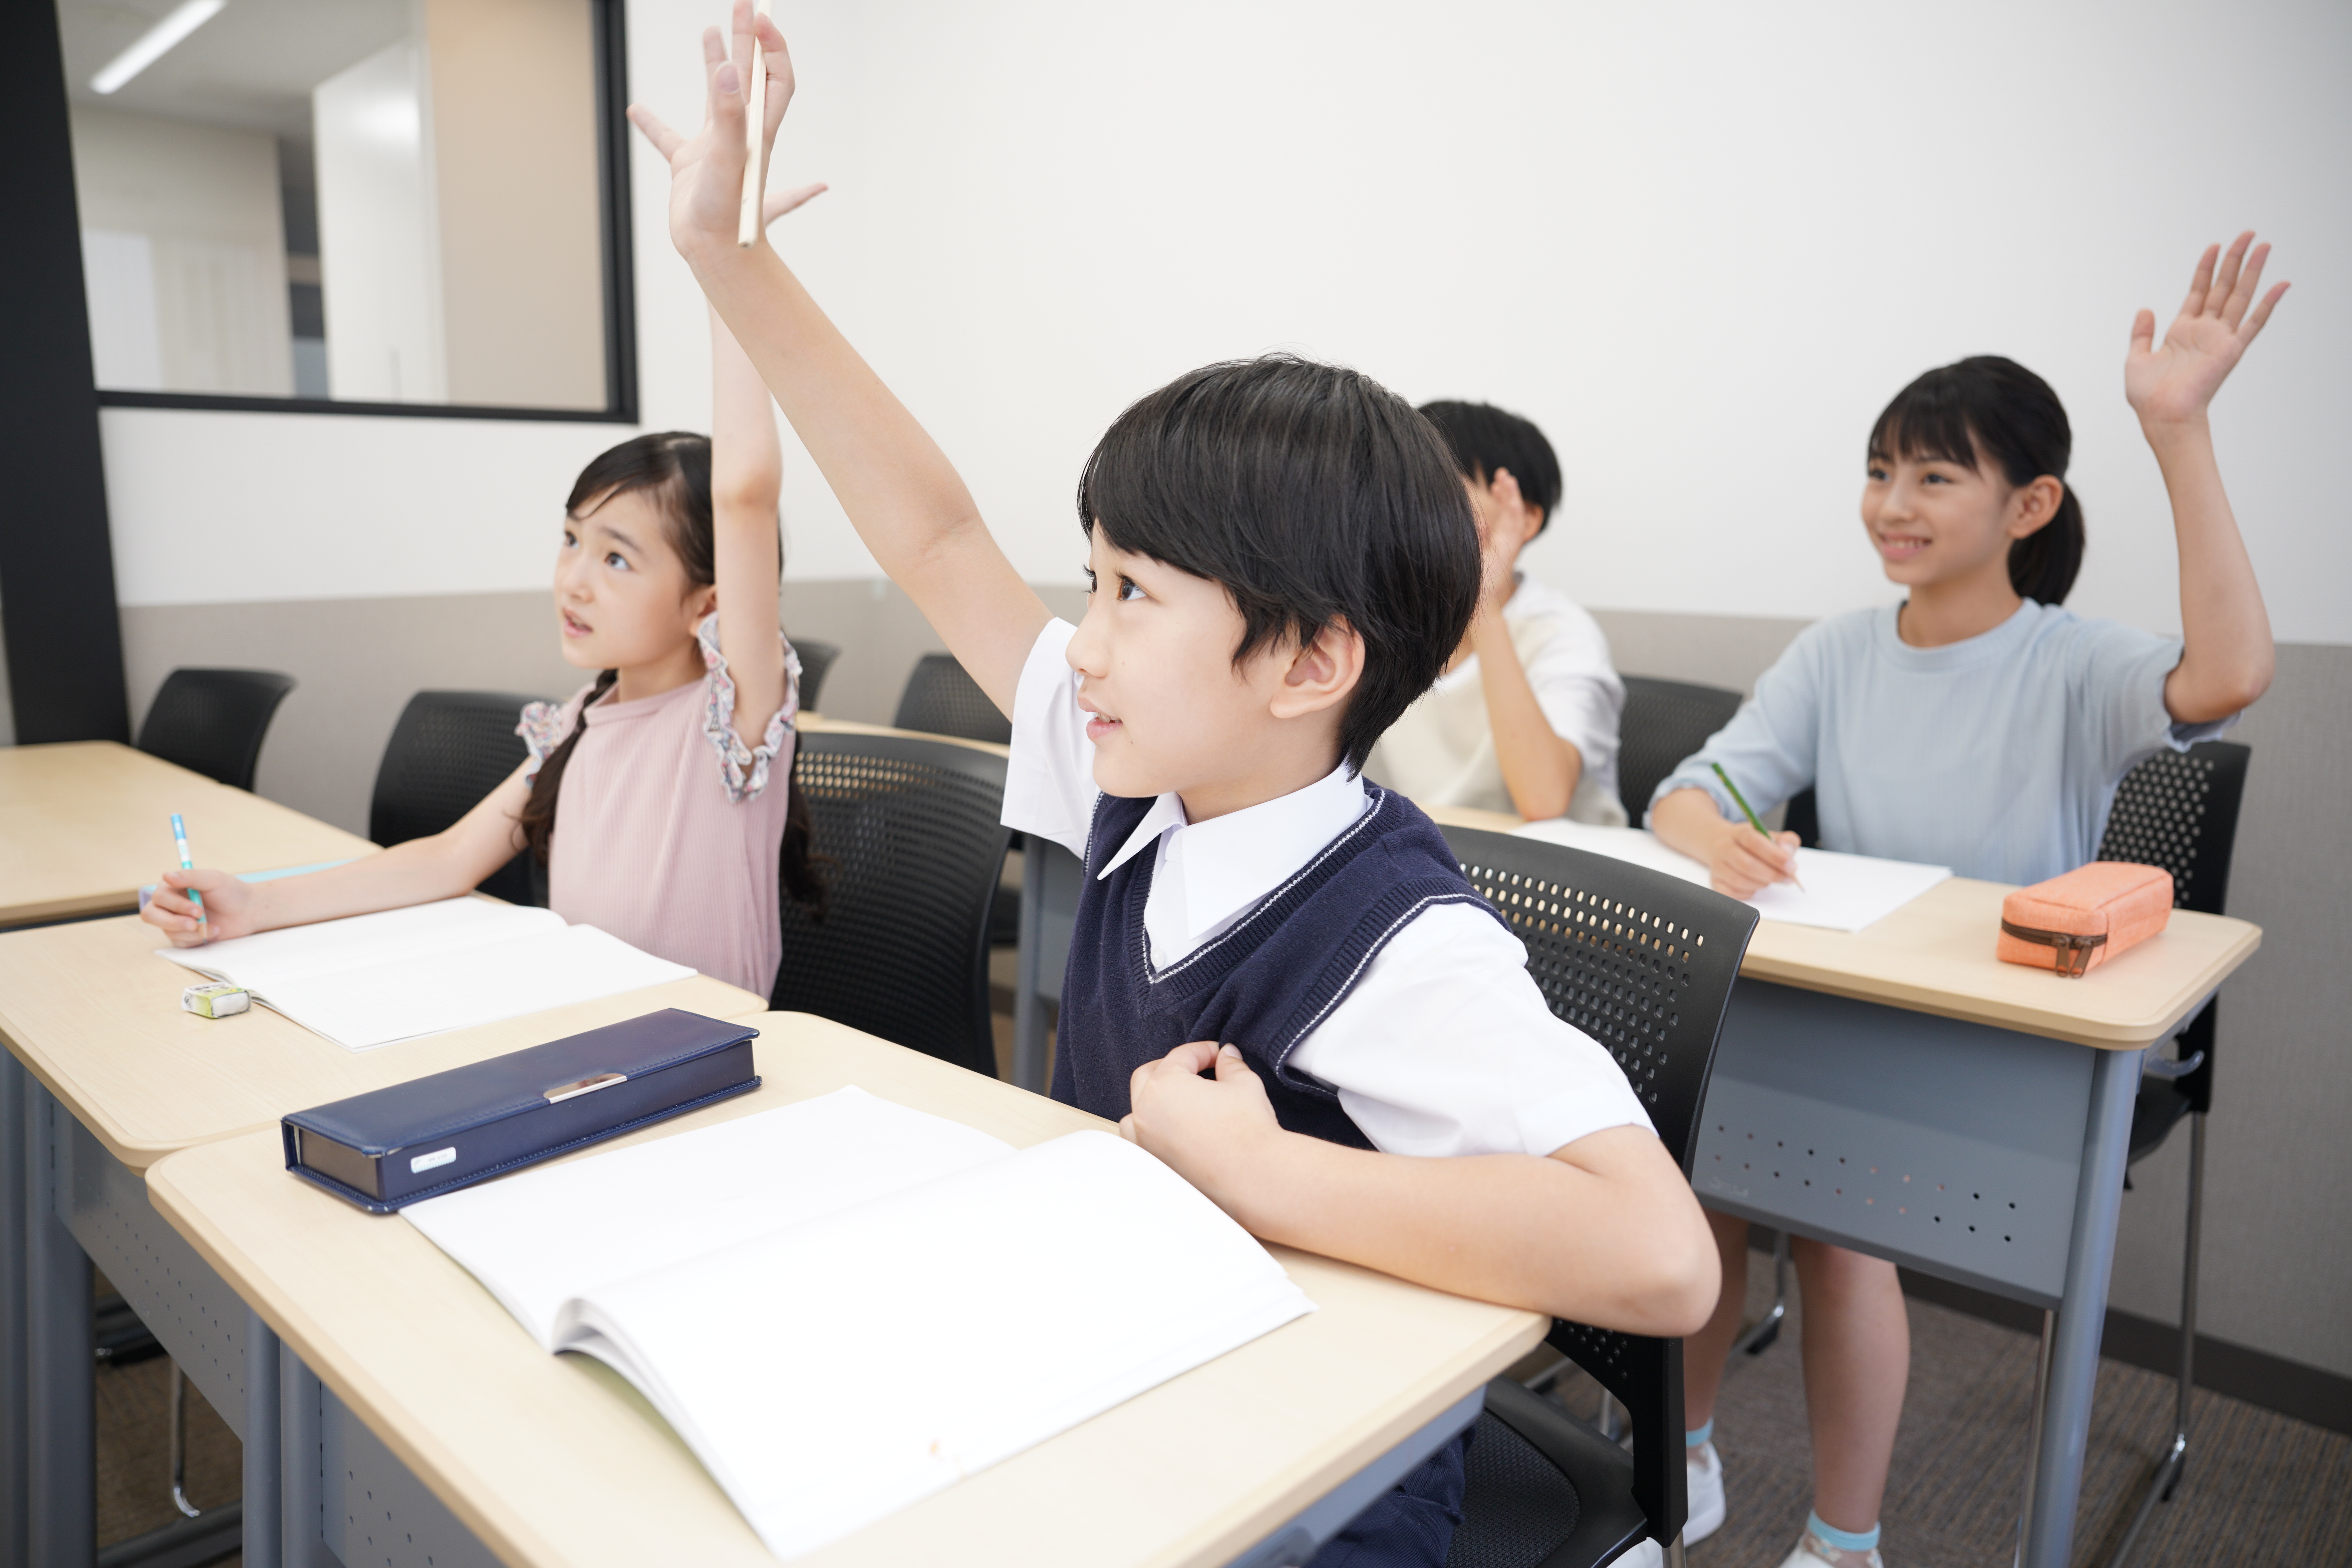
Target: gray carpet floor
x,y
2260,1487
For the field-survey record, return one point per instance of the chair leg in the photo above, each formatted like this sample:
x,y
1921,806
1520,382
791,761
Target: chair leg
x,y
1758,1337
2033,1448
180,1444
1674,1558
1606,1422
2167,1479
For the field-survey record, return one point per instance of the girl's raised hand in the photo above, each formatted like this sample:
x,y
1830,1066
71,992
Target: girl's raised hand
x,y
706,188
2173,382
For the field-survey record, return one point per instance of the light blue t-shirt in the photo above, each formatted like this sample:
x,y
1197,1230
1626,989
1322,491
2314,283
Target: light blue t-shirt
x,y
1998,756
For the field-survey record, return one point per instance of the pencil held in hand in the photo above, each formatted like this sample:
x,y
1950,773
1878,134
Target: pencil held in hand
x,y
755,116
180,841
1748,812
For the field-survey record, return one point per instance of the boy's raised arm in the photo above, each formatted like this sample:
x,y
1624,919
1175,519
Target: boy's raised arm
x,y
904,497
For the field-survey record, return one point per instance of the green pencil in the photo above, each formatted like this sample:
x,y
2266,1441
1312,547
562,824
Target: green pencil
x,y
1749,812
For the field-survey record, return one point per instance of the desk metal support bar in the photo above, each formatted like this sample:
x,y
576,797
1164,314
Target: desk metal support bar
x,y
1028,1007
61,1511
2082,1313
301,1542
261,1443
14,1211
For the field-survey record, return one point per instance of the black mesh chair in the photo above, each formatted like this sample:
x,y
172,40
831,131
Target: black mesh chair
x,y
2179,810
1643,963
212,722
941,699
1665,721
448,750
910,828
816,659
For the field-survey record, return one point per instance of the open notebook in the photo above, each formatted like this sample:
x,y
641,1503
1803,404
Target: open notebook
x,y
927,1300
373,979
1843,893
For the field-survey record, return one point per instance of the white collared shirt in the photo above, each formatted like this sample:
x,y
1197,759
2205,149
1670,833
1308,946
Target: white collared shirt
x,y
1444,1046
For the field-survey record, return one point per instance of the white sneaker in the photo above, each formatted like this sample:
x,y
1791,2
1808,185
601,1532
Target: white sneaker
x,y
1812,1551
1704,1469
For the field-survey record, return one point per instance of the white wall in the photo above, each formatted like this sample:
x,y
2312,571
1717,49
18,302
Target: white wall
x,y
1701,245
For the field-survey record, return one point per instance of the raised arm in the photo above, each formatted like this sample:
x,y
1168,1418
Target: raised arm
x,y
2227,658
903,498
747,473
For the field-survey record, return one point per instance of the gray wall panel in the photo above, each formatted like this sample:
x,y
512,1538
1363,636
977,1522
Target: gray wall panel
x,y
2275,1274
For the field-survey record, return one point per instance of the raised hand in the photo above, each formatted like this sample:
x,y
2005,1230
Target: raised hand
x,y
707,170
2172,382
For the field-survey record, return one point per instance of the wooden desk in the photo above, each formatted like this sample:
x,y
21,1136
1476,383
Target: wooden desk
x,y
94,1015
84,825
818,724
1935,956
1901,1091
554,1460
103,1074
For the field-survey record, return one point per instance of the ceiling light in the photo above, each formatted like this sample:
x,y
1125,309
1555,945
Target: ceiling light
x,y
154,42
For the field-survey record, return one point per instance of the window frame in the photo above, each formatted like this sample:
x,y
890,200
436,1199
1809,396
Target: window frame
x,y
609,32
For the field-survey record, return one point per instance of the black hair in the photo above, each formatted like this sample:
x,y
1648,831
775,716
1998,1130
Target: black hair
x,y
1312,495
1997,406
673,466
1486,438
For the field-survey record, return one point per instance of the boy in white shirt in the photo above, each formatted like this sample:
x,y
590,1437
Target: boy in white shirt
x,y
1525,717
1293,992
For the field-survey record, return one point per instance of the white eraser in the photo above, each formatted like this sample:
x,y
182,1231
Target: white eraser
x,y
216,999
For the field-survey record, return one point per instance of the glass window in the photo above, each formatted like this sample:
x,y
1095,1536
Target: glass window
x,y
380,202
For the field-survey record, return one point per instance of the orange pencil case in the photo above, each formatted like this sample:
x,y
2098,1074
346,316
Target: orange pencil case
x,y
2075,922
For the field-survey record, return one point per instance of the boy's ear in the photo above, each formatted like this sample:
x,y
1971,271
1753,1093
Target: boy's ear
x,y
1322,674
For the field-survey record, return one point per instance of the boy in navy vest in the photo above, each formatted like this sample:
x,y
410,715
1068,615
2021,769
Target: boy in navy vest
x,y
1280,983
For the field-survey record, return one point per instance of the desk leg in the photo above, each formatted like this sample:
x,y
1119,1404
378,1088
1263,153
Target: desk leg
x,y
262,1449
1028,1007
2082,1314
16,1207
60,1405
301,1538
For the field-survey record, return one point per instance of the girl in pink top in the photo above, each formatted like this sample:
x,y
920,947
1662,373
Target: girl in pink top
x,y
657,795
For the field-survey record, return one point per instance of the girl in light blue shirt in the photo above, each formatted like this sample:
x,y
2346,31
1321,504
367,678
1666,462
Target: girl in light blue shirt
x,y
1978,725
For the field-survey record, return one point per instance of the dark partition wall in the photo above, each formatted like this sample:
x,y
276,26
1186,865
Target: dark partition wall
x,y
57,564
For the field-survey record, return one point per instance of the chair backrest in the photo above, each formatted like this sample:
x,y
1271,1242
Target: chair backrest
x,y
212,722
910,828
447,751
941,699
817,658
2179,810
1644,962
1665,721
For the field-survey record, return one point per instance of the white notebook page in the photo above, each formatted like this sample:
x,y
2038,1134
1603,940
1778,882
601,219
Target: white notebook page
x,y
370,980
1840,892
926,1302
541,1237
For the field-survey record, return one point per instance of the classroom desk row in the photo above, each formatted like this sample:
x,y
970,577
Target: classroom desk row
x,y
1907,1067
391,1411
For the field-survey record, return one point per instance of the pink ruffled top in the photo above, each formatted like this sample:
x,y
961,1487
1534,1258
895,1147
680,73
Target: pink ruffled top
x,y
667,826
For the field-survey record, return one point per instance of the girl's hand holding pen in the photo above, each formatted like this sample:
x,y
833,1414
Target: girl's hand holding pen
x,y
227,907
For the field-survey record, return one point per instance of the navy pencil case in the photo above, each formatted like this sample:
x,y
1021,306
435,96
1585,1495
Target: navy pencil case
x,y
432,1135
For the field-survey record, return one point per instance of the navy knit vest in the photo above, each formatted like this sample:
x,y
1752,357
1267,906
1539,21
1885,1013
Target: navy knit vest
x,y
1262,985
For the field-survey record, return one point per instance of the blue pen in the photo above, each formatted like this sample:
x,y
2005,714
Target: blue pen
x,y
180,837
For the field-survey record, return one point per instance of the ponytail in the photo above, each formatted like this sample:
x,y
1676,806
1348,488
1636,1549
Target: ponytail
x,y
2043,564
1988,406
538,818
806,876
